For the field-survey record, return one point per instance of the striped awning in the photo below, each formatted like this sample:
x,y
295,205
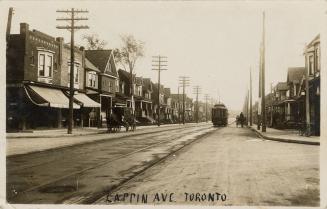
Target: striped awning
x,y
86,101
48,97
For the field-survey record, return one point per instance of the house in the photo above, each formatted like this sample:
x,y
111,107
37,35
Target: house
x,y
168,110
176,105
108,81
295,80
38,67
123,95
280,104
163,105
146,102
312,56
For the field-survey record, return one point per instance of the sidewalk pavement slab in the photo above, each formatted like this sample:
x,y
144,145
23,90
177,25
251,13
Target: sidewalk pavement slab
x,y
58,139
287,135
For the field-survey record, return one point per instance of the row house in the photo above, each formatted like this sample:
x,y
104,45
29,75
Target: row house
x,y
295,81
312,60
168,109
147,107
38,70
189,109
143,100
176,105
107,80
286,106
123,95
163,105
279,101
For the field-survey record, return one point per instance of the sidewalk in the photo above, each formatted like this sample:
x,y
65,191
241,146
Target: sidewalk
x,y
290,136
23,143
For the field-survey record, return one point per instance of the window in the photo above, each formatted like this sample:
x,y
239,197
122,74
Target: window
x,y
49,65
108,67
45,64
318,59
311,65
41,64
117,85
111,86
76,73
92,79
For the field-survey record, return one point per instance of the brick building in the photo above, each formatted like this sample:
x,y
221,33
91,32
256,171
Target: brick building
x,y
37,81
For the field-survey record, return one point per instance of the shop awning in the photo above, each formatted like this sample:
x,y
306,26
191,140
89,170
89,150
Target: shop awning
x,y
44,96
86,101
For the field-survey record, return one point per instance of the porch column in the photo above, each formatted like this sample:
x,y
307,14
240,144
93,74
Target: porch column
x,y
288,111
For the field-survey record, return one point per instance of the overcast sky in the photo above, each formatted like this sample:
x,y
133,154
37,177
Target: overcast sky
x,y
214,43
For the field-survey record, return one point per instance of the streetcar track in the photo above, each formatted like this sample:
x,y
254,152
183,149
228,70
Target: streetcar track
x,y
76,145
116,187
97,165
100,140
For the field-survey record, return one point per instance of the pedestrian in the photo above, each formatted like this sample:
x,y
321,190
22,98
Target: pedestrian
x,y
237,120
242,118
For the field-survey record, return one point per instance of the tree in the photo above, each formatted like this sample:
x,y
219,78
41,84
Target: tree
x,y
129,53
94,42
127,56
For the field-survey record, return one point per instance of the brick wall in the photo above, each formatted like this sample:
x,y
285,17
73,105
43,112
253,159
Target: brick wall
x,y
65,67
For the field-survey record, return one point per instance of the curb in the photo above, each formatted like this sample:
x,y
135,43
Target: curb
x,y
115,137
283,139
56,136
67,135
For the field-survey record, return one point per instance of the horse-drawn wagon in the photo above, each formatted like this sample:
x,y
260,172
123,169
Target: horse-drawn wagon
x,y
120,116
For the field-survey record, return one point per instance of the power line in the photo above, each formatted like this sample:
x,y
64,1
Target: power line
x,y
184,82
197,91
158,62
206,97
72,27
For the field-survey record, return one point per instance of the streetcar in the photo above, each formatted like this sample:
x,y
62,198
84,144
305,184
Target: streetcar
x,y
219,115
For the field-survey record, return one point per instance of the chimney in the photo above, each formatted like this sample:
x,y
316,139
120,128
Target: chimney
x,y
61,48
24,28
82,49
9,22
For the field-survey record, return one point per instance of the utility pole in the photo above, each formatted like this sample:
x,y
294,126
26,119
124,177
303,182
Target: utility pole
x,y
72,27
307,99
11,12
206,97
157,63
271,107
251,97
196,90
263,99
179,108
184,81
247,107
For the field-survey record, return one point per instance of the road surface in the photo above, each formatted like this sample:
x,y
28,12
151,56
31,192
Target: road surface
x,y
234,167
231,165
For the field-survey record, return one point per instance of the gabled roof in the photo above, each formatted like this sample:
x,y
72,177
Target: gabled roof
x,y
90,66
295,74
167,91
124,75
146,84
100,58
281,86
139,80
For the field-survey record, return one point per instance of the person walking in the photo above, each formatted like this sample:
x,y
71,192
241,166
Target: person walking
x,y
242,119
